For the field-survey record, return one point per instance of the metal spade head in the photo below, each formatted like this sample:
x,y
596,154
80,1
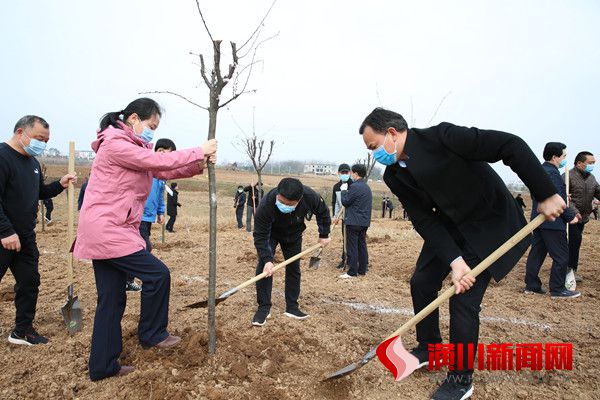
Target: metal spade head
x,y
72,315
221,298
315,261
348,369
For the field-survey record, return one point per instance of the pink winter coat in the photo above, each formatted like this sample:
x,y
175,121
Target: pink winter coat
x,y
119,184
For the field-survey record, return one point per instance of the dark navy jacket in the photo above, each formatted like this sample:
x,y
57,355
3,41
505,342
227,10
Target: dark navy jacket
x,y
269,222
559,224
358,201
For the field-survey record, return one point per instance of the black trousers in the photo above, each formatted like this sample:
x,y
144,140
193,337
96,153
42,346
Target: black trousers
x,y
425,284
390,211
24,267
356,248
49,206
575,236
111,274
145,231
171,222
239,215
264,287
553,242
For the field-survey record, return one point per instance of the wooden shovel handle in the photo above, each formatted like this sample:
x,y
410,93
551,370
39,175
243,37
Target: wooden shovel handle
x,y
278,266
70,213
482,266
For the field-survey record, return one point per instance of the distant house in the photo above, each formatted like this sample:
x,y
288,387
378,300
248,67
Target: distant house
x,y
319,169
84,155
51,152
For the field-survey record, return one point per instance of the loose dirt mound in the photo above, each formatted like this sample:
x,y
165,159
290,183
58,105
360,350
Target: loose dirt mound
x,y
286,359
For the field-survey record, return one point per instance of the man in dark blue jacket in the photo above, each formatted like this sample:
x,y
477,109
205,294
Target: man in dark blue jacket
x,y
280,220
551,236
358,201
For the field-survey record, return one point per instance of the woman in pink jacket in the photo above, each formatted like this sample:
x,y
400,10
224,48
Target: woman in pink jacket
x,y
108,231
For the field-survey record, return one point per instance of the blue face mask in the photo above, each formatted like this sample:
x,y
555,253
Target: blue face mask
x,y
35,148
562,164
382,156
589,168
284,208
147,135
344,178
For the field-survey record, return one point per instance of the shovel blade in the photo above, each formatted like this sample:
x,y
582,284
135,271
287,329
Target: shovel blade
x,y
314,262
348,369
204,303
72,315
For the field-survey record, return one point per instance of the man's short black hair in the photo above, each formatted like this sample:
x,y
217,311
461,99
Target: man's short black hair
x,y
240,187
29,121
360,170
553,149
166,144
290,188
582,156
381,119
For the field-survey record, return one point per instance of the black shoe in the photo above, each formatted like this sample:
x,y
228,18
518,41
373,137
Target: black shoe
x,y
451,390
422,355
132,287
566,294
341,265
260,318
296,314
28,338
534,291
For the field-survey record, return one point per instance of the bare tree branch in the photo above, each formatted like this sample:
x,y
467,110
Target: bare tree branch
x,y
175,94
202,69
235,97
259,25
438,107
204,22
234,64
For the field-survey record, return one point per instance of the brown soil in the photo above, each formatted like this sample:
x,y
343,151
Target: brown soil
x,y
286,359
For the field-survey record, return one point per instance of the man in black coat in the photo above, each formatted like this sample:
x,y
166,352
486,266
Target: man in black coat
x,y
280,220
463,211
239,203
358,200
551,237
252,203
336,204
520,201
172,204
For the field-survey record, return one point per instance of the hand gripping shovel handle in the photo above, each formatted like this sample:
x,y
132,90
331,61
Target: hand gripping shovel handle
x,y
489,260
70,217
482,266
277,267
204,303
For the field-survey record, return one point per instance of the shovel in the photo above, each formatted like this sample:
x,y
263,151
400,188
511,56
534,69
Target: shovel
x,y
71,311
391,352
315,260
230,292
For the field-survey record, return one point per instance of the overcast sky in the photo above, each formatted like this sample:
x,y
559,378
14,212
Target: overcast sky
x,y
526,67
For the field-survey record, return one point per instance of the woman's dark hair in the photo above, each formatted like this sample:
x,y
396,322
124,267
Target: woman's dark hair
x,y
144,107
173,185
290,188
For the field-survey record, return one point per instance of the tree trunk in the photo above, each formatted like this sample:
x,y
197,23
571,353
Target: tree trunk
x,y
259,188
212,246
